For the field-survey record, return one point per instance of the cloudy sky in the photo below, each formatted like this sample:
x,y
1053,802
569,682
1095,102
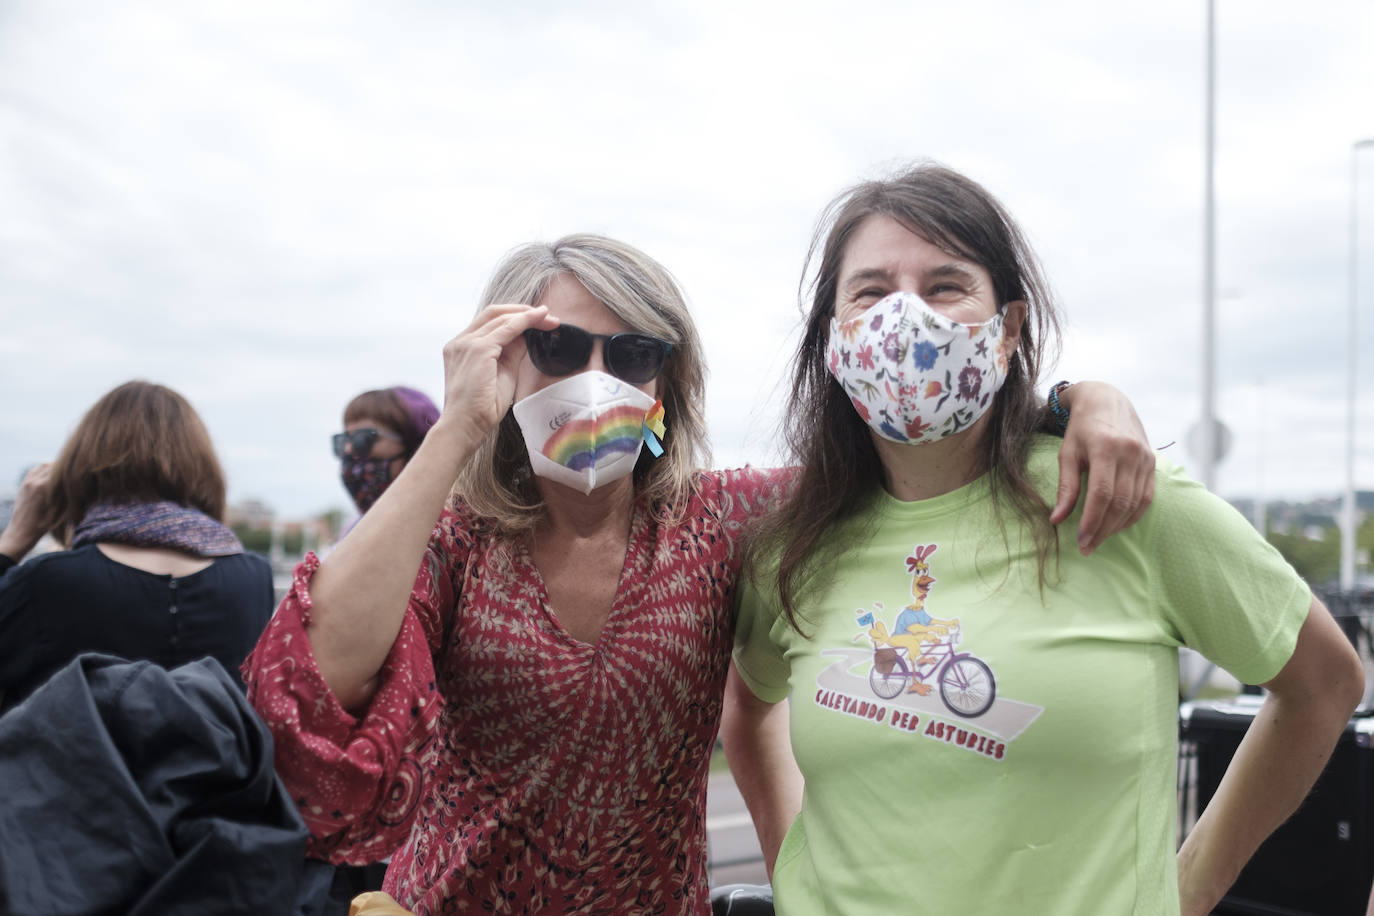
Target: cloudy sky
x,y
271,206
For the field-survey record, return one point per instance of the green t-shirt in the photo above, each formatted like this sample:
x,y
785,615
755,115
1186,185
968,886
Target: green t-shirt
x,y
1037,774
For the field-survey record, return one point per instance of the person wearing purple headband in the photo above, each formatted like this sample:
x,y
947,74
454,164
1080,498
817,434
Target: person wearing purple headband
x,y
382,430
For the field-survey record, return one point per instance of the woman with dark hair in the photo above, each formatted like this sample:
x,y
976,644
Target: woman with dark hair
x,y
151,572
382,430
985,717
509,674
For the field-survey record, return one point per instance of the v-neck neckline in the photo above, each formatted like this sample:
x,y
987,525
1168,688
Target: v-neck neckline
x,y
633,549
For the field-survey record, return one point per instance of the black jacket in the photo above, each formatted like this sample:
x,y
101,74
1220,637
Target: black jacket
x,y
127,788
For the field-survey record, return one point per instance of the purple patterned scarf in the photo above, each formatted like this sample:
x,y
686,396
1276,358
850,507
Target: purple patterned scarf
x,y
160,524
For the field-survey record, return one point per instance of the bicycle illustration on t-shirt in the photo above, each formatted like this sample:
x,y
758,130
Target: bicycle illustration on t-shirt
x,y
921,648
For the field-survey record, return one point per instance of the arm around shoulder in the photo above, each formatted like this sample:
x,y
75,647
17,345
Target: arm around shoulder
x,y
1103,437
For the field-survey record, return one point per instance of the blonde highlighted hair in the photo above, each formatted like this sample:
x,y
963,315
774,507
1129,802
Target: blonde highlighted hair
x,y
497,482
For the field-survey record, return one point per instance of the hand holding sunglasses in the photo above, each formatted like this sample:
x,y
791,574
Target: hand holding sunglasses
x,y
359,442
630,357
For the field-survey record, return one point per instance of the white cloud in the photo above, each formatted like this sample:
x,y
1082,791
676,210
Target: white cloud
x,y
273,206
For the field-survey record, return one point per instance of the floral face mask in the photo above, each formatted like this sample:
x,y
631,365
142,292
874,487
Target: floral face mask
x,y
365,479
914,375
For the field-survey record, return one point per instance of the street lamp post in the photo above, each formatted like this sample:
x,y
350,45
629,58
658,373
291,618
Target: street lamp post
x,y
1351,350
1207,446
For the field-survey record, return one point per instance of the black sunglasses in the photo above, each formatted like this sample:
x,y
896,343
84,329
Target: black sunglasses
x,y
630,357
360,441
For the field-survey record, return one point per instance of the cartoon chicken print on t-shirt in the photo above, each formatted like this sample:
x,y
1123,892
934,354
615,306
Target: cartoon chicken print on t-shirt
x,y
925,681
915,630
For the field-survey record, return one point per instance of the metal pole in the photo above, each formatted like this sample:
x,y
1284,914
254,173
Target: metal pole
x,y
1348,530
1208,456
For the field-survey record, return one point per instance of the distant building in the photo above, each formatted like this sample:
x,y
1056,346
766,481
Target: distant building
x,y
249,513
1312,519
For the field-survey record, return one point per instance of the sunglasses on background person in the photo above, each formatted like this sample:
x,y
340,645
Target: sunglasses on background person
x,y
360,441
630,357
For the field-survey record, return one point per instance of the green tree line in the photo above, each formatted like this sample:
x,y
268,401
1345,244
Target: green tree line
x,y
1319,560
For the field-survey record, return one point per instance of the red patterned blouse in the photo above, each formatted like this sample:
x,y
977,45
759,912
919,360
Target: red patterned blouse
x,y
503,765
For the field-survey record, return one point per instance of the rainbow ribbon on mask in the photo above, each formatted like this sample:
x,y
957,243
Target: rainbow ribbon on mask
x,y
653,430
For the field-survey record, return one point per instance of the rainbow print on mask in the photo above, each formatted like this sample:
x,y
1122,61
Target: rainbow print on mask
x,y
580,444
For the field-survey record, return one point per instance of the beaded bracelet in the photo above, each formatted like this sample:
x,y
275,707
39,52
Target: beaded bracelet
x,y
1057,408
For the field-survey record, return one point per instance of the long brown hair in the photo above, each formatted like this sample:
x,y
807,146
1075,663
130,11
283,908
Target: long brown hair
x,y
840,468
141,442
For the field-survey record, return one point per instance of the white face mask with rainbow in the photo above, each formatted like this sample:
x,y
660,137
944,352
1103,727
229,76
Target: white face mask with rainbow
x,y
914,375
587,430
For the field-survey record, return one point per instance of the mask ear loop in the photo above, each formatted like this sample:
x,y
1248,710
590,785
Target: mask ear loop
x,y
652,429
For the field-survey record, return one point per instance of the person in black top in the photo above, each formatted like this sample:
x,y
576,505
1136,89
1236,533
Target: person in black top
x,y
151,572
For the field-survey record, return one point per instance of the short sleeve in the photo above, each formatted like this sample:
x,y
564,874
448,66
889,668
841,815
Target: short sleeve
x,y
759,659
1222,588
356,778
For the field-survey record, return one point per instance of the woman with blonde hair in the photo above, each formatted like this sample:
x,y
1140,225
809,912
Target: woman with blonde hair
x,y
150,571
526,723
